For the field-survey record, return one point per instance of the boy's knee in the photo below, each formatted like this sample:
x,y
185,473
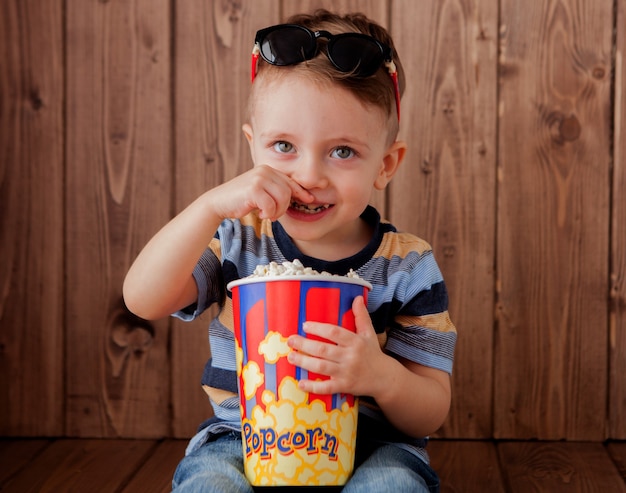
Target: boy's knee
x,y
212,481
390,469
216,466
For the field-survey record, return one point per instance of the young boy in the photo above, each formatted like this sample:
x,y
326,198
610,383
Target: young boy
x,y
322,127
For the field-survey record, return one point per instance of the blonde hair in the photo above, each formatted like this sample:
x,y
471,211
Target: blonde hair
x,y
376,90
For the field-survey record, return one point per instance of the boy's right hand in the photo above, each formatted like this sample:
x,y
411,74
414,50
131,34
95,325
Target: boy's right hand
x,y
262,188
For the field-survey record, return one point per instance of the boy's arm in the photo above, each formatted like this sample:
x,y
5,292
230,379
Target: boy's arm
x,y
160,281
414,398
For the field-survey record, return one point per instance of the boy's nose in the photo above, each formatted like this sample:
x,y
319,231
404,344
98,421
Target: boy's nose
x,y
310,173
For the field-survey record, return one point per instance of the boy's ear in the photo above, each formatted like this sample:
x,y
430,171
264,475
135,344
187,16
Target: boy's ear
x,y
247,131
391,161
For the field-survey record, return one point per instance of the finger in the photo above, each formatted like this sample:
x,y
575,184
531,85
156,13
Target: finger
x,y
281,189
270,191
329,332
267,206
362,318
319,387
300,193
316,348
312,364
275,201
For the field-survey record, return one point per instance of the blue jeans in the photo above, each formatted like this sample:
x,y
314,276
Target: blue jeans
x,y
217,466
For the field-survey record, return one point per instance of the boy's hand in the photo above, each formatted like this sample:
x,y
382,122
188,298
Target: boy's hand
x,y
352,360
262,188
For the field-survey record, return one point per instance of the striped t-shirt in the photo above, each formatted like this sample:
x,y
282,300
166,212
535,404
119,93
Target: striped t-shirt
x,y
408,306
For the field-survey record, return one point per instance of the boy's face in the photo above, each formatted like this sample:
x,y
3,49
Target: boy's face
x,y
334,146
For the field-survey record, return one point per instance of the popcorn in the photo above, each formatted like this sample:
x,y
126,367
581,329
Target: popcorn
x,y
295,268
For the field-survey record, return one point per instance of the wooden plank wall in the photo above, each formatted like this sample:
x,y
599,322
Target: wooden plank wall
x,y
617,313
553,218
32,166
114,114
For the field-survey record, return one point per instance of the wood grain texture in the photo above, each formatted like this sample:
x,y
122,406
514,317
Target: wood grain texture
x,y
617,451
31,218
82,465
15,455
617,389
155,476
445,190
374,9
118,194
553,228
559,467
469,466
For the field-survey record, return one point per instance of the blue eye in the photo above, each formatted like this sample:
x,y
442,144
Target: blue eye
x,y
283,147
343,153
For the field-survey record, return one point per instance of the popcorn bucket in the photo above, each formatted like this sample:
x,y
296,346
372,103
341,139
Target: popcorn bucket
x,y
291,437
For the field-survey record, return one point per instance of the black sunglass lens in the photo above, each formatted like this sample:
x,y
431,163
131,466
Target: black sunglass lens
x,y
287,46
355,54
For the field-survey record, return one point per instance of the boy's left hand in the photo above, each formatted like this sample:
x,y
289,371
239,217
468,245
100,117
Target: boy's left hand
x,y
352,360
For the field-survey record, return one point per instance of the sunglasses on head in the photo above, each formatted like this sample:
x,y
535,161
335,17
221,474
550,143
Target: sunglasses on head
x,y
354,53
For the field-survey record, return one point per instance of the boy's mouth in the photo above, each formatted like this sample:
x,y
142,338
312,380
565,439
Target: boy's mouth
x,y
309,208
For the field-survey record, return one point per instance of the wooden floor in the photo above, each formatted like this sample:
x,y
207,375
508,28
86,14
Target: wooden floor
x,y
41,465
